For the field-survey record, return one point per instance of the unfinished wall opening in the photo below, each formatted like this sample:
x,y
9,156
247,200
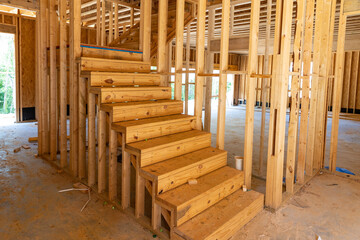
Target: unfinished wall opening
x,y
7,78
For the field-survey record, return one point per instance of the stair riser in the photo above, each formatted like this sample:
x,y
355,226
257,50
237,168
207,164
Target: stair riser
x,y
97,80
100,65
192,171
206,200
110,54
174,150
141,132
134,96
146,111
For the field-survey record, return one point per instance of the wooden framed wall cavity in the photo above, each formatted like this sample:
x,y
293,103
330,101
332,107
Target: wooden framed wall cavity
x,y
347,8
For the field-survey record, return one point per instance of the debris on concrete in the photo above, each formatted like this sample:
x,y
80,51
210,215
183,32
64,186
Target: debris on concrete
x,y
25,146
16,150
81,187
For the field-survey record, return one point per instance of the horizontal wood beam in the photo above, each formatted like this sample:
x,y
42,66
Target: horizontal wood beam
x,y
25,4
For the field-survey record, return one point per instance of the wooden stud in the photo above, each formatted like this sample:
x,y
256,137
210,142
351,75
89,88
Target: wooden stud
x,y
131,17
125,177
338,84
264,83
156,210
38,82
91,140
44,79
180,7
140,193
162,37
53,81
101,149
327,30
113,165
295,99
75,52
111,22
319,22
146,33
280,78
82,128
250,92
224,56
308,35
103,30
200,50
98,26
187,75
209,68
116,30
63,84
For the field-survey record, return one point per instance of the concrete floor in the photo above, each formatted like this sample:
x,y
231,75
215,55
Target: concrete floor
x,y
32,208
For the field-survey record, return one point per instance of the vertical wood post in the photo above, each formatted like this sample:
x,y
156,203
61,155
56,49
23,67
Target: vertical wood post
x,y
250,91
131,17
91,140
187,75
319,25
308,35
111,22
75,53
125,177
209,69
224,56
101,150
113,165
264,83
53,81
146,32
38,82
63,84
180,5
338,85
162,36
280,79
324,68
82,127
103,30
116,30
98,24
200,45
295,100
44,78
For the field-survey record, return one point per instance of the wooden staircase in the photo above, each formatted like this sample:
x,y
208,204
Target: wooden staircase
x,y
130,38
166,152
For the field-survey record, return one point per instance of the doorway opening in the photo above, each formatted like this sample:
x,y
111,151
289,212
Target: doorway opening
x,y
7,78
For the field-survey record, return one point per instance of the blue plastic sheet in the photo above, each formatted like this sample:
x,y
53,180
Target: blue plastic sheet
x,y
343,170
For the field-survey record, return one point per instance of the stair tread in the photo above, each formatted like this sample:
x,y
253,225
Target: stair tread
x,y
166,168
109,106
159,142
223,219
151,121
186,192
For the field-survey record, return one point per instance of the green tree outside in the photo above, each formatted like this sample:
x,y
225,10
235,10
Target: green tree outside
x,y
7,73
